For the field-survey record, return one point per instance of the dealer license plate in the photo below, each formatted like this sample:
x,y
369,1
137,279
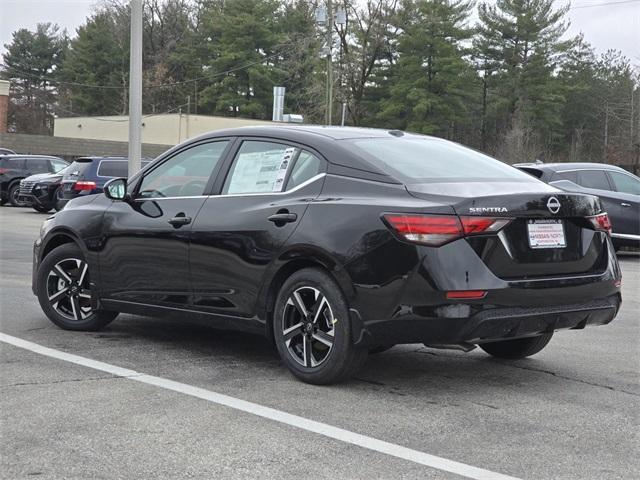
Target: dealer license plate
x,y
546,234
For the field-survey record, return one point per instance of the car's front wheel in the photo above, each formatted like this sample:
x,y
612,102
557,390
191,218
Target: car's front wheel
x,y
64,290
14,192
312,329
518,348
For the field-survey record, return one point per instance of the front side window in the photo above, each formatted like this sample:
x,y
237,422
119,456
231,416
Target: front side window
x,y
593,179
259,167
625,183
185,174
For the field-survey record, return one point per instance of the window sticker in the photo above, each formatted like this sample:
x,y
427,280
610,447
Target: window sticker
x,y
278,183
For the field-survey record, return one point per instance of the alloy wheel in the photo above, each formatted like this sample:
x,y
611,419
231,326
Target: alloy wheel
x,y
308,327
68,289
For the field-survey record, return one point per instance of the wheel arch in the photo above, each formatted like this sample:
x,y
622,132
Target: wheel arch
x,y
289,263
58,238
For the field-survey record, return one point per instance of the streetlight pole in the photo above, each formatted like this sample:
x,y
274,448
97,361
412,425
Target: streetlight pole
x,y
135,88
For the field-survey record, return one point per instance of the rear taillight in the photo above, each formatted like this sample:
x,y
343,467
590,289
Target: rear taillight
x,y
436,230
78,186
3,171
601,222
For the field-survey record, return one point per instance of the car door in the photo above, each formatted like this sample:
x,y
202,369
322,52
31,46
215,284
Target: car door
x,y
628,198
144,256
240,231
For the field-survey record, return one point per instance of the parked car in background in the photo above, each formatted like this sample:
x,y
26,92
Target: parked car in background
x,y
6,151
14,168
619,192
87,176
40,191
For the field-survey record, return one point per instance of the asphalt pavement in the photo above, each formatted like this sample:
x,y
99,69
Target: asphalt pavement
x,y
570,412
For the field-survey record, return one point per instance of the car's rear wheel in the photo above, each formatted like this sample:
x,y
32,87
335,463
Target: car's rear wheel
x,y
519,348
64,290
14,191
312,330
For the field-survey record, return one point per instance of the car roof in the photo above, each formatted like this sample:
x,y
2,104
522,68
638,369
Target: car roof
x,y
307,131
21,156
557,167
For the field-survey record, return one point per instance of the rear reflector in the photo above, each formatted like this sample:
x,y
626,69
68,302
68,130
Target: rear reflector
x,y
466,294
617,283
601,222
84,186
436,230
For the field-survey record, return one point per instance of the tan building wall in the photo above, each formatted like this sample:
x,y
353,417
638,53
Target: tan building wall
x,y
166,129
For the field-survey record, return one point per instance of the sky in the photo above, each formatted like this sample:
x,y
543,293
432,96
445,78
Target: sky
x,y
606,24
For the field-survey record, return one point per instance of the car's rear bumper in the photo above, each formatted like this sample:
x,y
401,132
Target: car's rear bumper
x,y
487,325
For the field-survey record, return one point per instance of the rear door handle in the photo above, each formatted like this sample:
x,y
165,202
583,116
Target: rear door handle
x,y
282,218
179,220
625,204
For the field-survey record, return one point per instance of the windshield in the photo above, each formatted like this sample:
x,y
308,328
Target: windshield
x,y
414,159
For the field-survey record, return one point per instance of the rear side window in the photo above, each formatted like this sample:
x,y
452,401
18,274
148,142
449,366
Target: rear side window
x,y
306,167
113,168
625,183
37,165
571,176
418,159
13,163
593,179
259,167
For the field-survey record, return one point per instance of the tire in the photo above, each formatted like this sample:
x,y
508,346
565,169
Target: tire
x,y
64,291
14,190
519,348
41,209
332,357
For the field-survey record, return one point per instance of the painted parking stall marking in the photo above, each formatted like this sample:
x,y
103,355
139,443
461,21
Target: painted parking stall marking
x,y
302,423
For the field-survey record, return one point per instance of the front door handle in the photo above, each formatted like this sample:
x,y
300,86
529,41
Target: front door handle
x,y
179,220
625,204
281,218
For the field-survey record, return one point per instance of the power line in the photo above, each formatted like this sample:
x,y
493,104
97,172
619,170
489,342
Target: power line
x,y
603,4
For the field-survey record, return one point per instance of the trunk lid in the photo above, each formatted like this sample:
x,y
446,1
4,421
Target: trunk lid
x,y
509,254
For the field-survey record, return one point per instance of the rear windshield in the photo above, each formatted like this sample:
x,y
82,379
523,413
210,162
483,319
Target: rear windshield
x,y
77,168
423,159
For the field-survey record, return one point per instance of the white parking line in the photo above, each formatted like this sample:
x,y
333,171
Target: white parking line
x,y
336,433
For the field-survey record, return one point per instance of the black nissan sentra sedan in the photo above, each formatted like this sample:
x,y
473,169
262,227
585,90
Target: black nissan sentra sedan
x,y
334,243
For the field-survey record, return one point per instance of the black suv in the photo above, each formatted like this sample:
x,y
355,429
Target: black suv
x,y
87,176
619,192
14,168
40,191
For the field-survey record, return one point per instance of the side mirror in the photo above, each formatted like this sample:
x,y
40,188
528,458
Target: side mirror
x,y
116,189
566,185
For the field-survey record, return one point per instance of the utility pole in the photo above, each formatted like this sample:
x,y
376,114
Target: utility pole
x,y
329,99
135,88
606,130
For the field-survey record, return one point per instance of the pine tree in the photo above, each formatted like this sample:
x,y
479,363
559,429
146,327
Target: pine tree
x,y
431,84
32,62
